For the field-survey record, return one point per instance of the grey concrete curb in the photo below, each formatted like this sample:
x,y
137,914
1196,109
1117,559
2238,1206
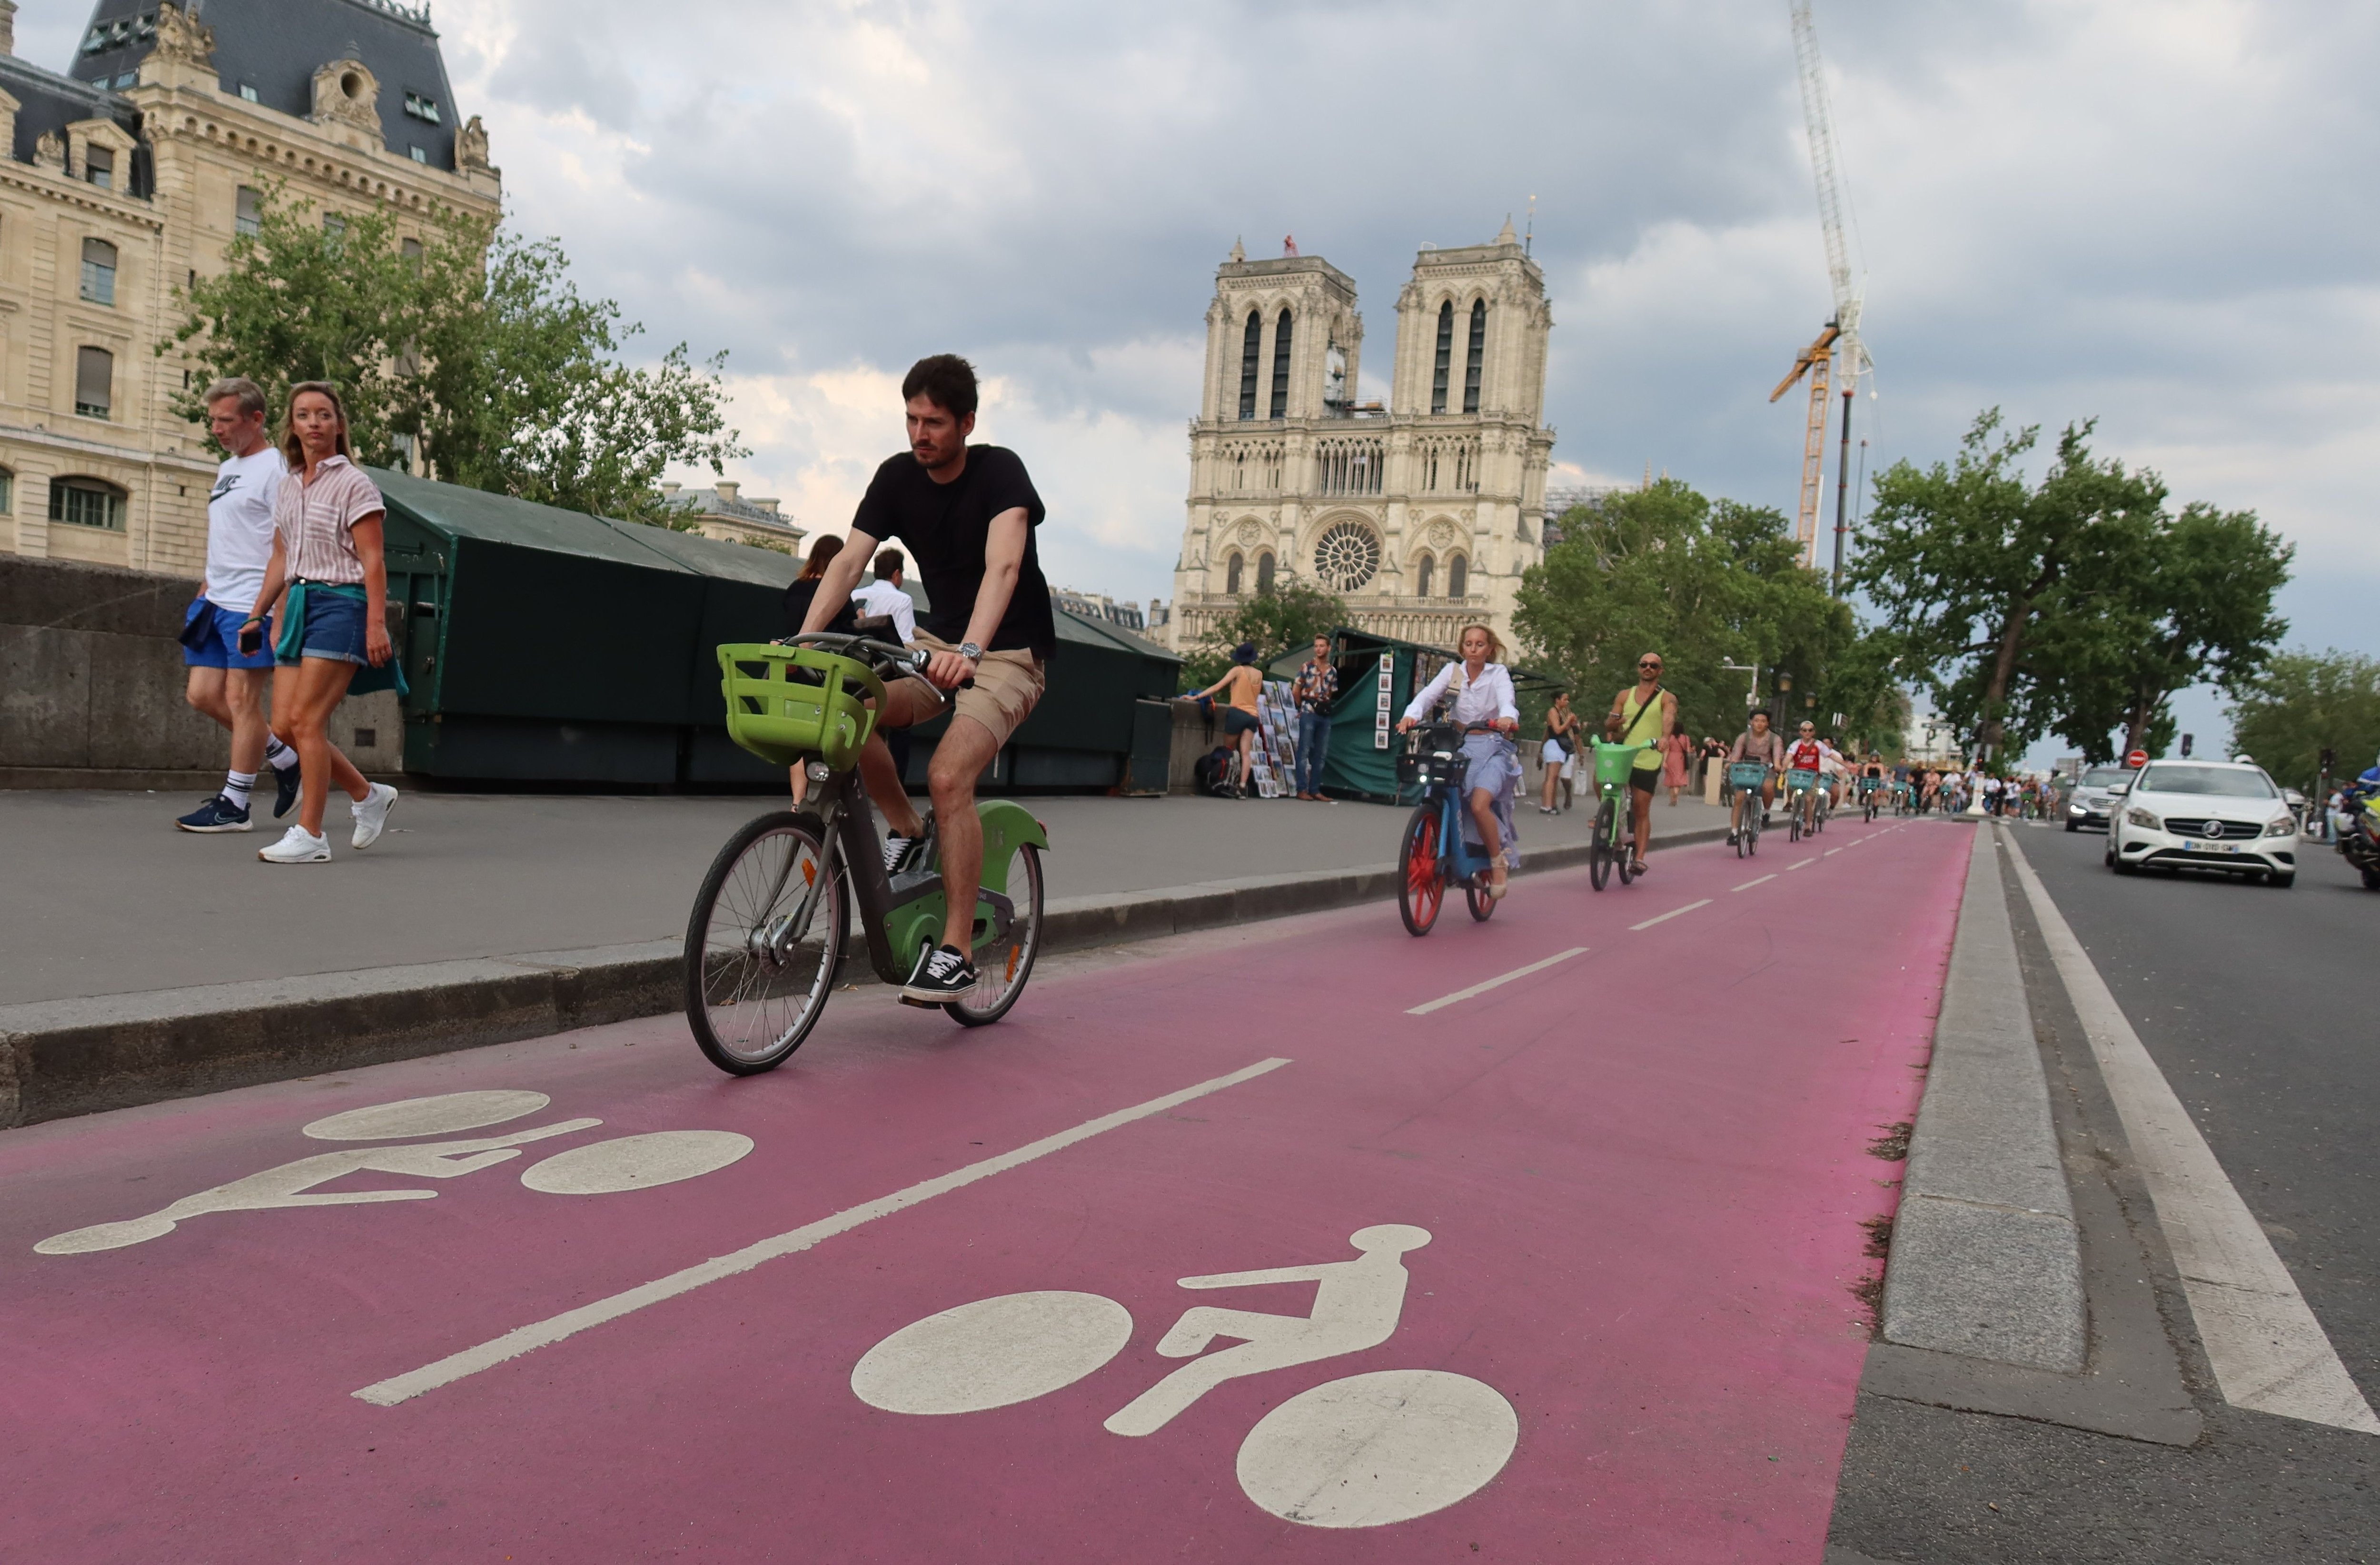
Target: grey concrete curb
x,y
1986,1260
62,1057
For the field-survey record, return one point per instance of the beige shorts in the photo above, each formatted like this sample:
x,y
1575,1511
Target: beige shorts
x,y
1007,687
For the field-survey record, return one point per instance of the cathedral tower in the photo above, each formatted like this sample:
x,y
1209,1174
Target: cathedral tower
x,y
1421,515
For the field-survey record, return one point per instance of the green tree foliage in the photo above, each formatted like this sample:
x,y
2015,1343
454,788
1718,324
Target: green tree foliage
x,y
1666,570
475,347
1290,614
2300,703
2080,604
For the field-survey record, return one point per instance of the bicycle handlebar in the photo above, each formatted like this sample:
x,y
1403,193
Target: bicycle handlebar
x,y
883,656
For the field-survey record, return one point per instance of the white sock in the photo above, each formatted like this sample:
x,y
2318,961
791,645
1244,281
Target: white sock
x,y
282,756
235,787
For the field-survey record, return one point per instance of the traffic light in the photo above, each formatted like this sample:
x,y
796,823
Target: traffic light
x,y
2185,745
2329,758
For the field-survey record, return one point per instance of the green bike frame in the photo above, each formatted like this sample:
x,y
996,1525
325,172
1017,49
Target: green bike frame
x,y
901,917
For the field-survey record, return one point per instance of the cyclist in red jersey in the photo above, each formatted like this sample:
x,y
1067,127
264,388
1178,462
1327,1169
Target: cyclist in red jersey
x,y
1805,754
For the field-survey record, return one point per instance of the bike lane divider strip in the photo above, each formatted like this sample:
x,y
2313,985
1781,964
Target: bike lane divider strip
x,y
1749,883
2262,1339
1499,980
1806,863
544,1333
1673,913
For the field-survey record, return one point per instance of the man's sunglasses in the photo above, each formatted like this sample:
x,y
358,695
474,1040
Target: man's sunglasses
x,y
1653,667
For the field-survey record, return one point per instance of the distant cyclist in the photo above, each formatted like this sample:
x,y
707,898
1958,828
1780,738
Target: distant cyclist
x,y
1762,744
1805,760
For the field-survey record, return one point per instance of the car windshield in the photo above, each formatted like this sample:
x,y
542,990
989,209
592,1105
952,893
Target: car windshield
x,y
2223,782
2104,776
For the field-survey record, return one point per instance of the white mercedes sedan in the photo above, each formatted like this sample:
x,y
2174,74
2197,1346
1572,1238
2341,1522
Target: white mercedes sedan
x,y
2224,815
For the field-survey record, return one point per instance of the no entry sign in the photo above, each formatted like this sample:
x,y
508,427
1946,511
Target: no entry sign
x,y
2137,759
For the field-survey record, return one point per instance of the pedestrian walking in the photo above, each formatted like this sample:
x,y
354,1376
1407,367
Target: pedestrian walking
x,y
1315,691
1239,688
327,521
1644,716
1675,750
1558,753
225,682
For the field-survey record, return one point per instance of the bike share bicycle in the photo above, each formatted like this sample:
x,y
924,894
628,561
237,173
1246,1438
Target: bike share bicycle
x,y
1807,796
1435,854
1747,778
1608,844
766,940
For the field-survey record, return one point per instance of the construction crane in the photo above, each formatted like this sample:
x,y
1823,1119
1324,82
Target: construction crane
x,y
1838,356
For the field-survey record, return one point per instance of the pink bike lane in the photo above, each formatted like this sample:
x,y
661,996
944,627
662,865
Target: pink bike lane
x,y
1640,1170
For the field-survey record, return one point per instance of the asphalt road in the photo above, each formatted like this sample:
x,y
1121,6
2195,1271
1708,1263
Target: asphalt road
x,y
2258,1005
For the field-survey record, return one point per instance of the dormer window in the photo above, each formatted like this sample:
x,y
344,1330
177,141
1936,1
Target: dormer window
x,y
127,78
420,108
247,91
419,154
99,167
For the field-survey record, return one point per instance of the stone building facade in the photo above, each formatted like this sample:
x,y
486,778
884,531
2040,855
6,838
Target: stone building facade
x,y
723,512
1421,515
125,176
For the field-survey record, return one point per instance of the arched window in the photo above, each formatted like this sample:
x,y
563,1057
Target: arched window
x,y
1458,576
1251,344
1263,571
87,502
94,382
1426,576
99,271
1478,351
1231,574
1445,357
1279,406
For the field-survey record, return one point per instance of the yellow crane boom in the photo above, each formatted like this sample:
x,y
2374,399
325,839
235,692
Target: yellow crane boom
x,y
1816,362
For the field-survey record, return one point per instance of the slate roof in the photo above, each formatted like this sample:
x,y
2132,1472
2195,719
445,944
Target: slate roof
x,y
50,102
276,46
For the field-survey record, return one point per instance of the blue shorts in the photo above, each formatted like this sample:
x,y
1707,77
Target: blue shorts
x,y
335,628
211,637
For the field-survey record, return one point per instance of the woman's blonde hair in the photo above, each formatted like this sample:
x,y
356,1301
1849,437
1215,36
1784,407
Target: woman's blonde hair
x,y
291,447
1495,642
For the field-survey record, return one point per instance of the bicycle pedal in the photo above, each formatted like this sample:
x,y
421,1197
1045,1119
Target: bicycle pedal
x,y
921,1004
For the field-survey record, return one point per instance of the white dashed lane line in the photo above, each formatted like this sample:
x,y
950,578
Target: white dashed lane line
x,y
1673,913
1749,883
1802,866
1501,978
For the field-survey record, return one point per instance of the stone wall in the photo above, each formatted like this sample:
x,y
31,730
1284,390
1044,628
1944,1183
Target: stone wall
x,y
91,680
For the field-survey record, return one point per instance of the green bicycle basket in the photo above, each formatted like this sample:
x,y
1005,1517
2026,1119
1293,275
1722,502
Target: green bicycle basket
x,y
1614,762
785,702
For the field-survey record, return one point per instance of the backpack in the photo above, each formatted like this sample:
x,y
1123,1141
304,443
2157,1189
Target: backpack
x,y
1211,772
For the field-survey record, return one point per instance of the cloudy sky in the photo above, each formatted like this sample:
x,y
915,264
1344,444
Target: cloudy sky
x,y
2157,213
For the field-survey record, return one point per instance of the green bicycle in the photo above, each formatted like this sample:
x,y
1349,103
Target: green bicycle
x,y
1609,845
766,940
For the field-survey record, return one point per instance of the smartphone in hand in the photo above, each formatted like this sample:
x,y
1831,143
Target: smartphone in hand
x,y
251,639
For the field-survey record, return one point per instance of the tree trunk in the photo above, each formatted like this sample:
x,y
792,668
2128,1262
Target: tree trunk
x,y
2003,673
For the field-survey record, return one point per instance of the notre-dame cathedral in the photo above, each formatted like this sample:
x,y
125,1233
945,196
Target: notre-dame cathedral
x,y
1421,515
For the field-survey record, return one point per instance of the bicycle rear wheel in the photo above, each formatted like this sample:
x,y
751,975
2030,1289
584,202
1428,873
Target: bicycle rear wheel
x,y
755,983
1481,901
1002,967
1421,884
1598,847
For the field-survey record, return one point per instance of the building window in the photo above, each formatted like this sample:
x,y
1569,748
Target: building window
x,y
1279,406
1347,557
248,92
1251,343
1232,575
87,502
98,272
99,167
1458,576
1445,357
420,108
247,212
411,250
1263,571
1471,361
420,156
8,493
94,382
334,225
1427,576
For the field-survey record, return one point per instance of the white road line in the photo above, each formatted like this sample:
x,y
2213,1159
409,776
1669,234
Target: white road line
x,y
2268,1350
1830,852
1476,989
1803,864
522,1339
1673,913
1749,883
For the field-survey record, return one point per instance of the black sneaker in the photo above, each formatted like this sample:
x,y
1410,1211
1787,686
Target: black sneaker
x,y
285,784
218,813
944,974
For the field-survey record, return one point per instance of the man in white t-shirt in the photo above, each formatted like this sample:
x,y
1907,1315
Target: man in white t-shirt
x,y
226,683
884,599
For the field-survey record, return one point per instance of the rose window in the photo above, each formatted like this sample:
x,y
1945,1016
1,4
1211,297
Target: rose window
x,y
1347,557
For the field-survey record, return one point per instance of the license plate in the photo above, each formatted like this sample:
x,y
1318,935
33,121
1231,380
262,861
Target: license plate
x,y
2190,847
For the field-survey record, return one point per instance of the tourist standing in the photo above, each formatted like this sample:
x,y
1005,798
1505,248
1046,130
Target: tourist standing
x,y
327,524
1239,688
225,682
1315,691
1675,750
1558,753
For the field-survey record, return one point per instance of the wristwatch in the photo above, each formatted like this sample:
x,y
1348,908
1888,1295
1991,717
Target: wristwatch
x,y
971,652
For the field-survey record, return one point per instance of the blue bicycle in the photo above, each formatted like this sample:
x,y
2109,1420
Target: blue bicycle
x,y
1435,855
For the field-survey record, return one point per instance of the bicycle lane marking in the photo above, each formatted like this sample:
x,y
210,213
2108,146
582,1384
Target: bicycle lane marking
x,y
1664,918
1496,982
1749,883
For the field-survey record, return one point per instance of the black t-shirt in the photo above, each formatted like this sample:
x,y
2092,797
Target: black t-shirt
x,y
945,527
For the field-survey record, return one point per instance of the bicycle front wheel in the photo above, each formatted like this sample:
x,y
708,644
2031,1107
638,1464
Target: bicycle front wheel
x,y
1598,847
758,971
1421,884
1003,966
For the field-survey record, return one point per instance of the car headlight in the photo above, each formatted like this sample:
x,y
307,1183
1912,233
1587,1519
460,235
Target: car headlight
x,y
2286,825
2143,819
2076,809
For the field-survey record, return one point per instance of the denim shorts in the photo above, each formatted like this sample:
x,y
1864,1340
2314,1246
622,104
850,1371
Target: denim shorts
x,y
211,637
335,628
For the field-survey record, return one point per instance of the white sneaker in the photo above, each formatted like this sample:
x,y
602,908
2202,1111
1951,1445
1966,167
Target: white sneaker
x,y
371,815
297,846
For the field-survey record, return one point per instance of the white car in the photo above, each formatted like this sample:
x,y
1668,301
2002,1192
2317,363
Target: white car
x,y
2093,802
2205,815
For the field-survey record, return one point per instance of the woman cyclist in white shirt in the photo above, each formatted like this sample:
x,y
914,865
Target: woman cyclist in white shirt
x,y
1484,706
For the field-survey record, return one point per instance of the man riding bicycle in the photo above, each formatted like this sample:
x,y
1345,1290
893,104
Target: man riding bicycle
x,y
1761,745
968,515
1805,760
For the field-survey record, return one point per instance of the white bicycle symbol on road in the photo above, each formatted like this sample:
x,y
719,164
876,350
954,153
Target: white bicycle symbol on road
x,y
1361,1452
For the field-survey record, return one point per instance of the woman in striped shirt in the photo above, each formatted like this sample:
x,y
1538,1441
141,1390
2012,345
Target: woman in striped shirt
x,y
326,547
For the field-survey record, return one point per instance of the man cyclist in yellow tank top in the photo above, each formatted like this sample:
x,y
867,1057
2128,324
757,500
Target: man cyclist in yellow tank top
x,y
1645,714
